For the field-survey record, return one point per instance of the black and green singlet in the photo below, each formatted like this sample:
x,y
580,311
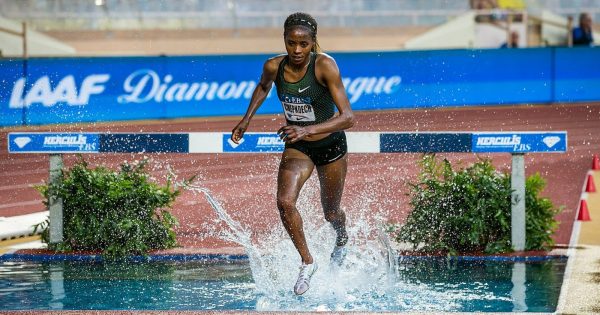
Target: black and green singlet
x,y
306,102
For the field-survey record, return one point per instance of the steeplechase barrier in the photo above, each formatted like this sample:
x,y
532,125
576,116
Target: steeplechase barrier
x,y
516,143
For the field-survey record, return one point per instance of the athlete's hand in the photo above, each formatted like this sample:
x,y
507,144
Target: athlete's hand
x,y
238,132
291,133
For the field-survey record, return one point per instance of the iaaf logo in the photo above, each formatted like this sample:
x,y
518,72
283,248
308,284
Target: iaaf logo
x,y
146,85
65,91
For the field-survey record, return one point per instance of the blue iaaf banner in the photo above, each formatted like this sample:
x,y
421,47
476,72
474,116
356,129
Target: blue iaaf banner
x,y
219,142
66,90
63,90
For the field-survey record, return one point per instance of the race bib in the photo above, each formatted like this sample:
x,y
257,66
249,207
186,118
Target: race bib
x,y
298,112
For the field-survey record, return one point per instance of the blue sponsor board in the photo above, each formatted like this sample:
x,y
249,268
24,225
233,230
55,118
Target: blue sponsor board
x,y
53,142
254,142
10,72
519,142
67,90
577,74
500,142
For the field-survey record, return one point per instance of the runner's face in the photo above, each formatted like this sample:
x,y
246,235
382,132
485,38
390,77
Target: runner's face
x,y
298,44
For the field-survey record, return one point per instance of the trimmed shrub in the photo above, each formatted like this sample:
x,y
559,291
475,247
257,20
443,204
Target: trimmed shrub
x,y
468,210
116,212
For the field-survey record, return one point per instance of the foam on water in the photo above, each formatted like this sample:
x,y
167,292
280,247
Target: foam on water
x,y
369,271
370,278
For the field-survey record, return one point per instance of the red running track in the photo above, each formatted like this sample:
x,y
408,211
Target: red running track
x,y
245,184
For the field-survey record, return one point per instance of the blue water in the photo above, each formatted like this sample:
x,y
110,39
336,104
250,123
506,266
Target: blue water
x,y
421,285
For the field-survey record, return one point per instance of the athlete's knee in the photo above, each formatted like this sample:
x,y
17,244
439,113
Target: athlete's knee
x,y
286,204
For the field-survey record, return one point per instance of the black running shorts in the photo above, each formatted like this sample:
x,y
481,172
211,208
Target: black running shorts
x,y
324,151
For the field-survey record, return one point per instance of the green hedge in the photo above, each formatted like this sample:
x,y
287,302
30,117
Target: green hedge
x,y
468,210
116,212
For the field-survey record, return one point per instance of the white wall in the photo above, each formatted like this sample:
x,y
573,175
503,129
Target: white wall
x,y
457,33
38,44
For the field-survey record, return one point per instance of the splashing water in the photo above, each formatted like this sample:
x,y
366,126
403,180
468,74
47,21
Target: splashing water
x,y
368,280
369,272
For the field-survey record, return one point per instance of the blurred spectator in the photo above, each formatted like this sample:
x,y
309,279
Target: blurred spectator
x,y
483,4
513,42
582,35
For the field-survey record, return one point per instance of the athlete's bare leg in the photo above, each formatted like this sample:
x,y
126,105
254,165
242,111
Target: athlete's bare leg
x,y
332,177
294,170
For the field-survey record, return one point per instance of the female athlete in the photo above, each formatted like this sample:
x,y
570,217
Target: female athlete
x,y
309,86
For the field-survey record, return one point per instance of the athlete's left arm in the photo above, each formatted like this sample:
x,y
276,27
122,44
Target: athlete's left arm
x,y
328,74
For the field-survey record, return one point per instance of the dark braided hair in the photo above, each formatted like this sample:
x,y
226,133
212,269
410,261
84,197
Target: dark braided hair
x,y
304,20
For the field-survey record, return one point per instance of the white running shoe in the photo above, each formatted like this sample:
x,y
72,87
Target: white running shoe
x,y
303,283
338,255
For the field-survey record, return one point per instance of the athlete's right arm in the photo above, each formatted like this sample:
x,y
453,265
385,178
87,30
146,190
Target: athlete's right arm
x,y
258,96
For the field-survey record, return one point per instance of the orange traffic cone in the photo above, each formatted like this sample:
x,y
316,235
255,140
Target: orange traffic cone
x,y
584,214
590,187
595,163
